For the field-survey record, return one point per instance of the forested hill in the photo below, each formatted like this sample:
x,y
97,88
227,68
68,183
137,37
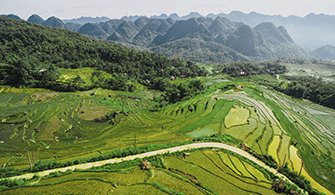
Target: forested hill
x,y
33,53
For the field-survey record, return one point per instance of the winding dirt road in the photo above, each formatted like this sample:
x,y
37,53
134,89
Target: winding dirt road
x,y
149,154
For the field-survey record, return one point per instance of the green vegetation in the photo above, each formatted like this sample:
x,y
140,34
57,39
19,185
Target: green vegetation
x,y
248,68
281,186
174,93
199,118
310,88
301,181
43,50
7,184
223,138
170,174
267,159
121,101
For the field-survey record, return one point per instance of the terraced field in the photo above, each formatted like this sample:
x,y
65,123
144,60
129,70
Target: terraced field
x,y
200,172
43,125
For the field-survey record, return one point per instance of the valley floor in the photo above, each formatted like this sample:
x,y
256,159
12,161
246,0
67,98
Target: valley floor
x,y
41,127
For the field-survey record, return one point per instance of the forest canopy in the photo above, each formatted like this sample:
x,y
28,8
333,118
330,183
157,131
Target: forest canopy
x,y
30,55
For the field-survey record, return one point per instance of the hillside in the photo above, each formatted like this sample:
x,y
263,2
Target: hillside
x,y
92,30
320,27
199,50
36,19
46,130
43,49
264,42
326,52
54,23
163,34
103,110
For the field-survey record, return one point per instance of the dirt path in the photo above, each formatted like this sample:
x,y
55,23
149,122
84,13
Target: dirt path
x,y
153,153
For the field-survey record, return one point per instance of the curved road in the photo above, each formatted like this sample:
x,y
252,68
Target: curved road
x,y
153,153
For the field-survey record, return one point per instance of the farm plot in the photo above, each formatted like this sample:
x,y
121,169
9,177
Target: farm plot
x,y
175,182
242,131
273,148
269,136
209,169
201,172
313,137
70,187
296,163
237,116
62,126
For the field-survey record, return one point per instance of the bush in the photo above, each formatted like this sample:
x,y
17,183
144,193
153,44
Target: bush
x,y
267,159
219,138
8,172
174,93
9,183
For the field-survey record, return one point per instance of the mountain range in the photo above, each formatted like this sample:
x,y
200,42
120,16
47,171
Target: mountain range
x,y
310,32
84,20
215,38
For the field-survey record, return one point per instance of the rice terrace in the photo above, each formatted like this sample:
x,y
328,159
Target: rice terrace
x,y
194,104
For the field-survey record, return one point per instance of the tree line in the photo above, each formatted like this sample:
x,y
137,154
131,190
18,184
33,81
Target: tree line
x,y
248,68
314,89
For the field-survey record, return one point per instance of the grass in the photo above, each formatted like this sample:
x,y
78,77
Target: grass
x,y
209,175
71,187
84,73
206,131
273,148
174,183
264,141
253,136
295,159
241,132
138,189
283,155
55,126
120,178
201,172
314,183
237,116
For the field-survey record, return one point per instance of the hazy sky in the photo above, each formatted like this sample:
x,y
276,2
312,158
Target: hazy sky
x,y
118,8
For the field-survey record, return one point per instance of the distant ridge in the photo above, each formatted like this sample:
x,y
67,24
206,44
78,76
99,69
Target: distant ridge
x,y
320,27
213,40
326,52
84,20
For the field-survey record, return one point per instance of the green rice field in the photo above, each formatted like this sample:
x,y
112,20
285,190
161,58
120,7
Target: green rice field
x,y
38,125
201,172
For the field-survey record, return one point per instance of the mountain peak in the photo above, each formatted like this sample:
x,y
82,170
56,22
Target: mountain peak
x,y
93,30
192,15
36,19
12,16
265,26
55,23
174,16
